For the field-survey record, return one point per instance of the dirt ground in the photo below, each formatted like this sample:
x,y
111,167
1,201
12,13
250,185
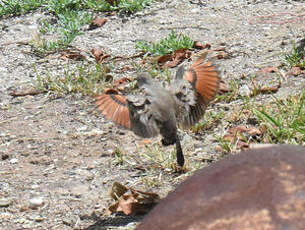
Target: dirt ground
x,y
56,164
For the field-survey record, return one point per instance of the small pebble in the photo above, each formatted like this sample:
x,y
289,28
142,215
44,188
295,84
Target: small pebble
x,y
5,202
35,202
5,216
83,128
244,91
36,218
14,161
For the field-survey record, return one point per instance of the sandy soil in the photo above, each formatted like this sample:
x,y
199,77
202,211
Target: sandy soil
x,y
57,153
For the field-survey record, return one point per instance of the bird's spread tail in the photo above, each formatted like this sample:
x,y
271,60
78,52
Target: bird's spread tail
x,y
204,77
114,107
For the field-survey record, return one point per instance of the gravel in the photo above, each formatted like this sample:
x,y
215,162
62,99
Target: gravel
x,y
56,166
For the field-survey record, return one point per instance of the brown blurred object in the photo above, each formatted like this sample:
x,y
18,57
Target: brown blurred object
x,y
97,22
256,189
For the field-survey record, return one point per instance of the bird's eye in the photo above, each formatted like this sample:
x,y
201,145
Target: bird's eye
x,y
179,94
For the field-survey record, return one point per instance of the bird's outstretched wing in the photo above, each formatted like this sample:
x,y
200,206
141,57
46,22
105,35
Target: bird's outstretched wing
x,y
114,107
133,112
193,90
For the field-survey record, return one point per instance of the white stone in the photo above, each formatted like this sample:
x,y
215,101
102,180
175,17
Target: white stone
x,y
14,160
35,202
244,91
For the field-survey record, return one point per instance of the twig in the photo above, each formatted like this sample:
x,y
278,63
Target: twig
x,y
22,94
15,42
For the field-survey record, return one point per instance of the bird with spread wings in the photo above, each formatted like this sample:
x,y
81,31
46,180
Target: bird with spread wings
x,y
157,110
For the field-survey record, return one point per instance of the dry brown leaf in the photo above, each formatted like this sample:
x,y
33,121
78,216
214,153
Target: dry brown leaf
x,y
253,131
222,55
242,145
269,70
237,134
69,54
295,71
163,59
223,88
126,68
99,55
121,83
266,90
97,22
176,58
117,190
199,45
236,129
132,201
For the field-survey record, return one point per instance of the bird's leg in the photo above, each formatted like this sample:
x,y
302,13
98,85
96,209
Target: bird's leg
x,y
179,153
166,142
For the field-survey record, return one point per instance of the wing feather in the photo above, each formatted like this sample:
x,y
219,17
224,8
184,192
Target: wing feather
x,y
204,78
114,107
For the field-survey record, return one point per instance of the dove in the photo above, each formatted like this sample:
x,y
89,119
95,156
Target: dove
x,y
156,110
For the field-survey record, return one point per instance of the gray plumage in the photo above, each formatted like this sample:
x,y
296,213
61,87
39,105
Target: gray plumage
x,y
156,110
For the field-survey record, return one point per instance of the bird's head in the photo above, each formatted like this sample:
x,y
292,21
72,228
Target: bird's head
x,y
144,79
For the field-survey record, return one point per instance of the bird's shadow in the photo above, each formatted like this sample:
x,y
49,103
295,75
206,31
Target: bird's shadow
x,y
103,223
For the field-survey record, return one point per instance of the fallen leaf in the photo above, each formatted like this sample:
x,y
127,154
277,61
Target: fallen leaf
x,y
99,55
264,90
174,59
121,83
117,190
269,70
222,55
223,88
69,54
161,60
199,45
253,131
126,68
267,90
242,145
295,71
131,201
236,129
237,135
97,22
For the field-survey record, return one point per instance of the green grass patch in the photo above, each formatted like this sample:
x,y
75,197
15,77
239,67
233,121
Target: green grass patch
x,y
283,121
159,156
125,6
296,57
167,45
68,17
211,119
81,80
17,7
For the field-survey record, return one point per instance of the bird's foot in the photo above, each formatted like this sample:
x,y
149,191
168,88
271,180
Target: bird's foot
x,y
167,142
